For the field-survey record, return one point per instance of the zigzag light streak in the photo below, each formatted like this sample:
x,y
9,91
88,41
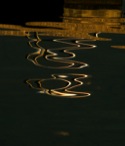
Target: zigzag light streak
x,y
68,91
52,56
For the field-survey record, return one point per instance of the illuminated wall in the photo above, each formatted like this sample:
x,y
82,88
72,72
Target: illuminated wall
x,y
92,8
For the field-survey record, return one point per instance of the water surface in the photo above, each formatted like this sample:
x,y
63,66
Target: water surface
x,y
62,83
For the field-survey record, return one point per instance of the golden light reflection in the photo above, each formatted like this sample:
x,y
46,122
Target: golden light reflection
x,y
63,60
75,31
71,80
95,8
118,47
79,28
77,13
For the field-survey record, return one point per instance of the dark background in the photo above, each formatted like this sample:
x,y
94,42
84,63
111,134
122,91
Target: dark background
x,y
20,12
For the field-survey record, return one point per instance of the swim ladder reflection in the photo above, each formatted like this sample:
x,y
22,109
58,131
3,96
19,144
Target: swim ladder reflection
x,y
62,56
71,80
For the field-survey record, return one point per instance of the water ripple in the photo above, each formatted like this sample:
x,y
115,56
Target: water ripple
x,y
52,54
72,81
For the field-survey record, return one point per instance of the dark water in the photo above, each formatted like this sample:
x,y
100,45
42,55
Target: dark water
x,y
62,91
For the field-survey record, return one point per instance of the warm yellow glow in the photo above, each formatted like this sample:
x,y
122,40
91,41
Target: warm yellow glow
x,y
52,55
71,27
76,29
79,13
118,47
68,91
